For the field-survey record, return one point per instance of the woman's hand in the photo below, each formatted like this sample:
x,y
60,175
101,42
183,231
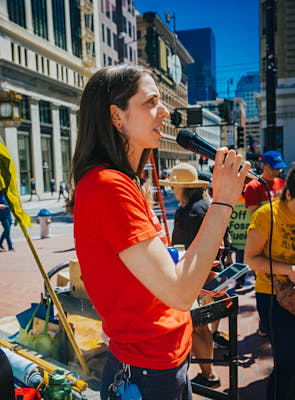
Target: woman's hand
x,y
222,292
228,179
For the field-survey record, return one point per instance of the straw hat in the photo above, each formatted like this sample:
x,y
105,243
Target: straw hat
x,y
184,175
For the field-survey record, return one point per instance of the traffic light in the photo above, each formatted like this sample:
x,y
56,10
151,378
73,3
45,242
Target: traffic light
x,y
240,137
194,116
224,110
253,157
176,118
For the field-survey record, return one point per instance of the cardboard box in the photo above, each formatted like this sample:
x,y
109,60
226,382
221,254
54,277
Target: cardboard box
x,y
77,288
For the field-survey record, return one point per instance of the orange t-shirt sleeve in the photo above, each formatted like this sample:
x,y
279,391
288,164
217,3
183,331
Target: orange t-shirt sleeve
x,y
121,213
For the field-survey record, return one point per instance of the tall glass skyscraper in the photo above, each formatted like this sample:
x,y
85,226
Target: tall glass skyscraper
x,y
247,86
201,75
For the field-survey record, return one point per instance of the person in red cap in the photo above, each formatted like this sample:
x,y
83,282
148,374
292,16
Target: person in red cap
x,y
255,192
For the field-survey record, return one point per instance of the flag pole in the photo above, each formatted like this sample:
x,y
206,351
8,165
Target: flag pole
x,y
55,300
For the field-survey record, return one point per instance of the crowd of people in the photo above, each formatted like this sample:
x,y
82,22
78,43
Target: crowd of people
x,y
145,299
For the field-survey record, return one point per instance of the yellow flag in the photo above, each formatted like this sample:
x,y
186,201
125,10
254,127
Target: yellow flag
x,y
8,185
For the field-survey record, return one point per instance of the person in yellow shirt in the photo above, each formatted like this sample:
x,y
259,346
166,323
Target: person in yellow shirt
x,y
283,264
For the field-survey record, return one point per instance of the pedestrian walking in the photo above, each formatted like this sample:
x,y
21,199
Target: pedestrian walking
x,y
33,189
61,191
6,221
52,186
143,298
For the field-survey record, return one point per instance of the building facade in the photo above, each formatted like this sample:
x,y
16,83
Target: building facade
x,y
285,88
157,46
111,36
200,43
46,56
247,88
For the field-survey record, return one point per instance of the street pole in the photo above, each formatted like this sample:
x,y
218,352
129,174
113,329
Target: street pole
x,y
120,29
270,140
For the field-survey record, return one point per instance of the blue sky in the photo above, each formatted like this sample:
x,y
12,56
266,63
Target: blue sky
x,y
235,24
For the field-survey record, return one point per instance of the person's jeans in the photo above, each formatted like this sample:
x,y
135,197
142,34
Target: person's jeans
x,y
283,346
168,384
6,223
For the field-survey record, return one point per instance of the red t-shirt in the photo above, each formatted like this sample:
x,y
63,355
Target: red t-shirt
x,y
256,194
110,215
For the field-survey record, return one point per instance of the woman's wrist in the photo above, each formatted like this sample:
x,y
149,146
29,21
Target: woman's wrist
x,y
222,204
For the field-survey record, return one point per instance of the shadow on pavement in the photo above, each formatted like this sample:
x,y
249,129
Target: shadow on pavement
x,y
254,391
253,347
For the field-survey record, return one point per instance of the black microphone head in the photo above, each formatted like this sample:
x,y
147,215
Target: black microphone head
x,y
190,140
184,138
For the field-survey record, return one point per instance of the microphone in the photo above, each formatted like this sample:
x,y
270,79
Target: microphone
x,y
190,140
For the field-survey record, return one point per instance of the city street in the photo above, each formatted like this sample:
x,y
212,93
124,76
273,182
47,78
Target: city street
x,y
21,284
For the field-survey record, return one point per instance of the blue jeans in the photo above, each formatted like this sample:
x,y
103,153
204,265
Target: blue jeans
x,y
153,384
6,223
283,325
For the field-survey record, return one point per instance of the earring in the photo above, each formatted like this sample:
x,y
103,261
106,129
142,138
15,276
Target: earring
x,y
119,125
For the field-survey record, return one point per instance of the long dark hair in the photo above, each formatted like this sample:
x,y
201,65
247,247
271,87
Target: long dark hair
x,y
289,185
98,141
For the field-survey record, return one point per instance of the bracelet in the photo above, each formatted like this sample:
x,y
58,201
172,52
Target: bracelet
x,y
223,204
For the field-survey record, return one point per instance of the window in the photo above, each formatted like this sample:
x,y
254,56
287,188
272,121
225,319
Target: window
x,y
57,71
102,32
109,61
62,73
64,116
109,39
39,15
48,67
108,9
45,112
12,52
42,64
114,15
59,24
104,60
133,28
130,54
67,75
16,12
129,29
37,62
26,57
25,107
125,51
25,167
138,35
76,27
19,54
132,1
47,160
75,78
124,24
115,41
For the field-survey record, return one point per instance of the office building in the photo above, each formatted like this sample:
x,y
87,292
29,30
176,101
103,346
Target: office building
x,y
247,88
167,57
111,38
201,75
46,57
285,87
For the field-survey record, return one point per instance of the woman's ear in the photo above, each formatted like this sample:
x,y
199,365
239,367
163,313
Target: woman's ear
x,y
115,116
288,195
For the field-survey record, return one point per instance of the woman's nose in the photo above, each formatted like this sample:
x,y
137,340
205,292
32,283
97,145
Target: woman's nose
x,y
162,111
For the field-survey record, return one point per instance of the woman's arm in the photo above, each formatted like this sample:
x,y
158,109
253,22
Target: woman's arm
x,y
151,263
255,258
